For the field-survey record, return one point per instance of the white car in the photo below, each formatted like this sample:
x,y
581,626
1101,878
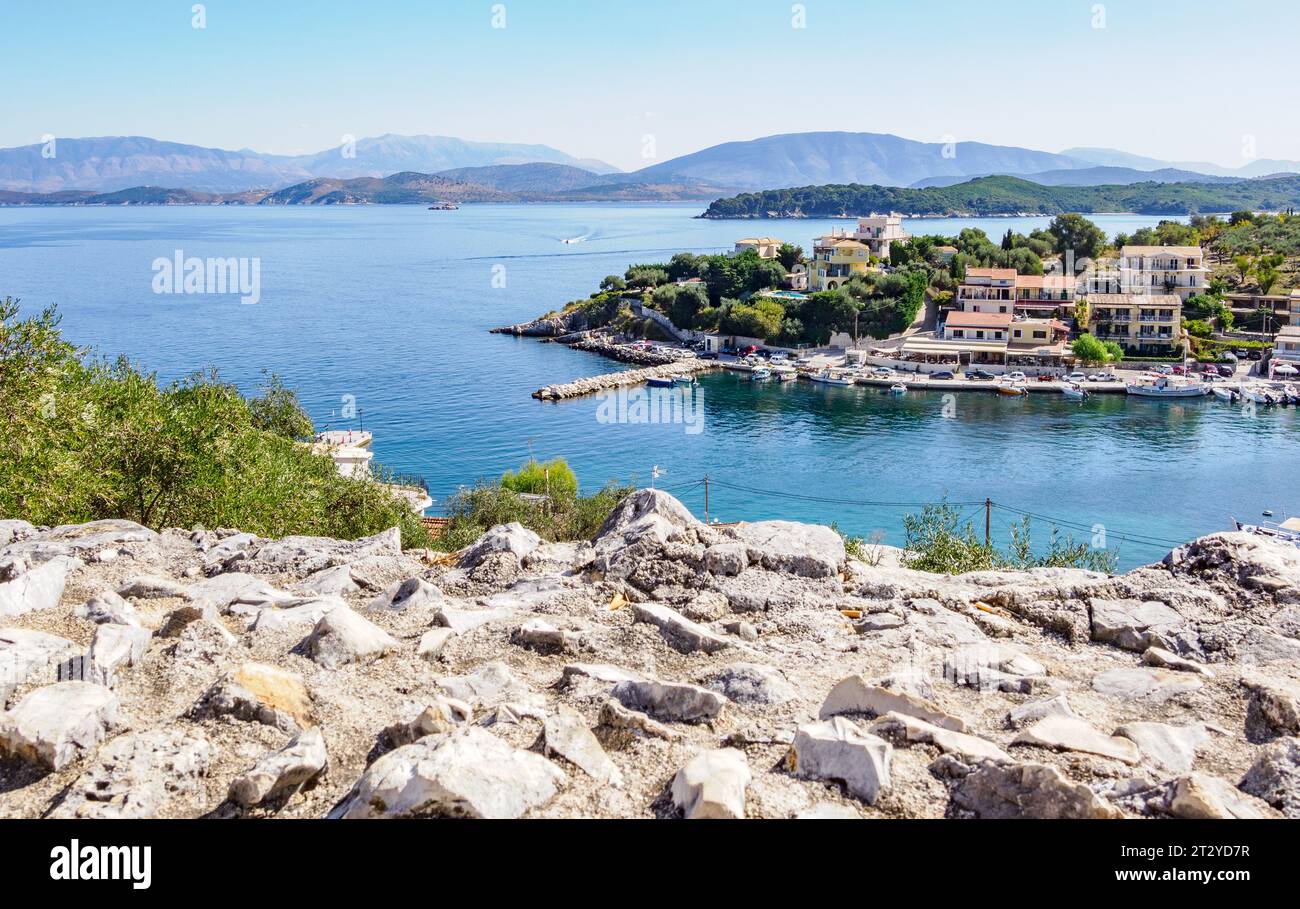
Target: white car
x,y
1164,369
883,372
1076,377
1016,376
1102,377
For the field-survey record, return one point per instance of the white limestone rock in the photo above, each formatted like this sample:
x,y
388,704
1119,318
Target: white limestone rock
x,y
513,538
1031,712
27,587
1029,791
1134,624
970,748
1275,776
279,775
488,685
672,701
412,593
113,648
443,715
1166,747
541,635
257,693
432,643
753,683
806,550
858,695
467,774
1154,686
24,653
227,590
679,631
138,774
837,751
152,587
342,637
1064,733
107,607
1165,659
566,734
53,726
712,785
294,614
1199,796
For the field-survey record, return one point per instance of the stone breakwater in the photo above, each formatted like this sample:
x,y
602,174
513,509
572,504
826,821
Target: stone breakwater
x,y
665,668
656,365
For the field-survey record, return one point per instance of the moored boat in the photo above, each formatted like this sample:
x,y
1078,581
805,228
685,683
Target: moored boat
x,y
833,377
658,382
684,380
1167,387
1075,392
1012,389
1226,393
761,374
898,388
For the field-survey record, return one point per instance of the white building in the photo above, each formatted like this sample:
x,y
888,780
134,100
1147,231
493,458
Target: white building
x,y
880,231
1163,270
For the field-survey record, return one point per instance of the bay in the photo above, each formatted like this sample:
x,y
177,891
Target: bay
x,y
390,305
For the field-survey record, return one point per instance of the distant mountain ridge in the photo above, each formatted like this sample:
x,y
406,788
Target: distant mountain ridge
x,y
110,163
799,159
1094,176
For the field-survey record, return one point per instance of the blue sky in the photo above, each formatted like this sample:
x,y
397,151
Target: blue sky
x,y
1181,81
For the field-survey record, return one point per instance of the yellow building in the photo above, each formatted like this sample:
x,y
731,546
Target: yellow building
x,y
835,259
766,247
1140,323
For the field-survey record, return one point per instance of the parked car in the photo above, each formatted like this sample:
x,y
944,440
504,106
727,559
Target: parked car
x,y
1076,376
882,372
1163,369
979,374
945,374
730,351
1017,376
709,355
1105,376
1226,371
1254,355
803,361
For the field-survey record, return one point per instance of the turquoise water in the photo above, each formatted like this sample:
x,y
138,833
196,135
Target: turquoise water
x,y
391,305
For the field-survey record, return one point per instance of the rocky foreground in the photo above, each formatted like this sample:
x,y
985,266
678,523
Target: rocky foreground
x,y
665,669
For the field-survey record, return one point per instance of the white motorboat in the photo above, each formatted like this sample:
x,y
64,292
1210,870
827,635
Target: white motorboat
x,y
1288,531
1012,389
1260,394
1167,387
1226,393
1075,392
898,388
761,374
833,377
785,373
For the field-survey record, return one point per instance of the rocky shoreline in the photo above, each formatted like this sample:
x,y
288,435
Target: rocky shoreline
x,y
666,668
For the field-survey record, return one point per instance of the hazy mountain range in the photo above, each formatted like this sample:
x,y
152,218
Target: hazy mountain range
x,y
136,169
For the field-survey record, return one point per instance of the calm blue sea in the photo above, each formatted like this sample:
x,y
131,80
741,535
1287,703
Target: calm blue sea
x,y
391,305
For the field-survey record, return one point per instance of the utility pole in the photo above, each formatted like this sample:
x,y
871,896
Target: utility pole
x,y
706,498
988,515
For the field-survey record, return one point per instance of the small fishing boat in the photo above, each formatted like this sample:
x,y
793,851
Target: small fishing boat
x,y
1075,392
898,388
833,377
1226,393
658,382
684,380
1167,387
785,373
1259,394
1012,389
761,374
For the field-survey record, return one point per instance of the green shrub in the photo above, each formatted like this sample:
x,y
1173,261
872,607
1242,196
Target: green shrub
x,y
561,517
552,478
87,439
938,541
